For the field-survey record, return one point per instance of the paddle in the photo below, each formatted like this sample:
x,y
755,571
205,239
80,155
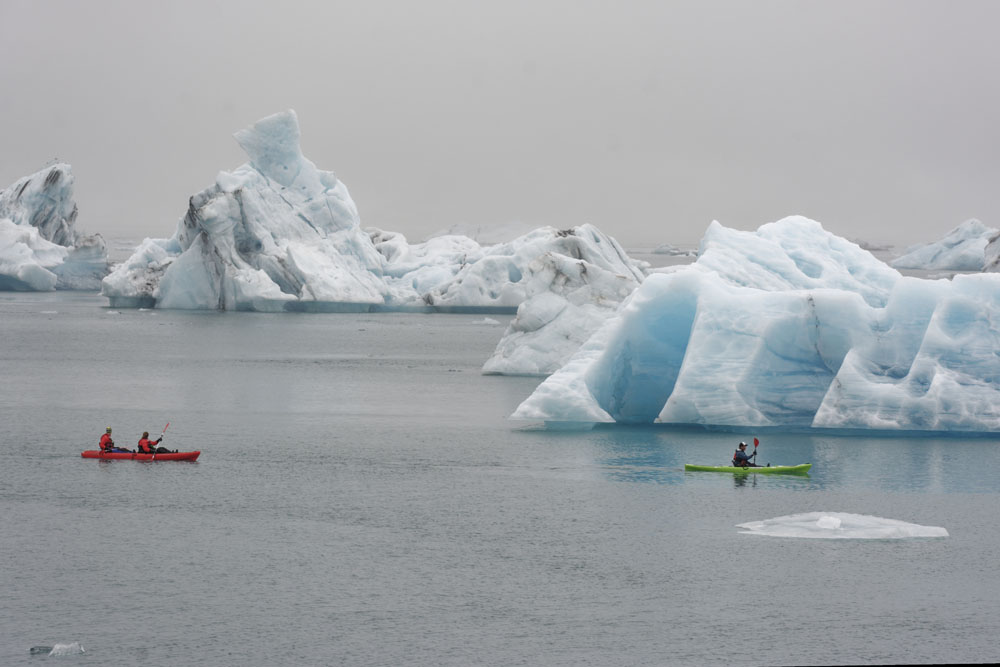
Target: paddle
x,y
754,455
161,437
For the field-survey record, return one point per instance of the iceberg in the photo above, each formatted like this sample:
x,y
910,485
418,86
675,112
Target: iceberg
x,y
839,525
278,234
40,247
673,251
788,326
27,260
273,231
574,283
962,249
488,234
991,260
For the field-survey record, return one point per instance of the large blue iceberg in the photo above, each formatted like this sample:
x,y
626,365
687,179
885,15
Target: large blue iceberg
x,y
788,326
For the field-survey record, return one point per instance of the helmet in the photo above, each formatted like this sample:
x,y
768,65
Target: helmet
x,y
109,429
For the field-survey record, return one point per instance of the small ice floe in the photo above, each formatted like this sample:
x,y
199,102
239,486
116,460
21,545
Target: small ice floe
x,y
49,312
488,321
839,525
72,648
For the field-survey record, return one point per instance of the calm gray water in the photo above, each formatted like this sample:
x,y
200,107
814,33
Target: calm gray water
x,y
361,499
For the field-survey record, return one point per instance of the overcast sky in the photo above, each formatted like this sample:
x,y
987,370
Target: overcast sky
x,y
646,118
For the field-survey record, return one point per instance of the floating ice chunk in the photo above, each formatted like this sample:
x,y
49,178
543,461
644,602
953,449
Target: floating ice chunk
x,y
839,525
72,648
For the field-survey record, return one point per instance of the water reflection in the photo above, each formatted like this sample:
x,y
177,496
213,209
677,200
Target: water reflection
x,y
637,454
657,454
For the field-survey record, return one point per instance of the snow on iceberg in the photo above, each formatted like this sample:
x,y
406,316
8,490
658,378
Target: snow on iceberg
x,y
788,326
962,249
279,234
40,248
839,525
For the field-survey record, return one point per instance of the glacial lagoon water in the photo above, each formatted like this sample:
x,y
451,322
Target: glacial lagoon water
x,y
362,499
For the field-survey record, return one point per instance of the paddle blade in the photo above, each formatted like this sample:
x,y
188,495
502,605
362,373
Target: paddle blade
x,y
755,443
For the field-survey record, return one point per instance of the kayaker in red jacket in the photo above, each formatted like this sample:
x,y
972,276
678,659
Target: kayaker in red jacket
x,y
147,446
108,445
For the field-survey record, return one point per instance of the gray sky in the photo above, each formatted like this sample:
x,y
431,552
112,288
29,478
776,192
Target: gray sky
x,y
646,118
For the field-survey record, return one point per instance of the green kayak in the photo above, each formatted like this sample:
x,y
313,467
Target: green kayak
x,y
801,469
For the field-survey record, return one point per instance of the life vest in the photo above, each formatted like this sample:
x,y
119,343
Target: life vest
x,y
147,446
107,442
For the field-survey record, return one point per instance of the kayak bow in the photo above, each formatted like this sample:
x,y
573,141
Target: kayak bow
x,y
801,469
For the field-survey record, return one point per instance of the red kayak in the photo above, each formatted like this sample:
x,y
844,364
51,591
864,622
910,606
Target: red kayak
x,y
172,456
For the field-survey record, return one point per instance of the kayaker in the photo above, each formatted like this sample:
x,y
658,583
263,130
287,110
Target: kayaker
x,y
741,459
108,445
147,446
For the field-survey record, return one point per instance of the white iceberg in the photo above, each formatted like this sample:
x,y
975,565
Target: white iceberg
x,y
40,247
576,282
673,251
28,261
273,231
962,249
279,234
839,525
788,326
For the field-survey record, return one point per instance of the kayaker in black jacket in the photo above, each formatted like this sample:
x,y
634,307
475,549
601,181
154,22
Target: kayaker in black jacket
x,y
741,459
